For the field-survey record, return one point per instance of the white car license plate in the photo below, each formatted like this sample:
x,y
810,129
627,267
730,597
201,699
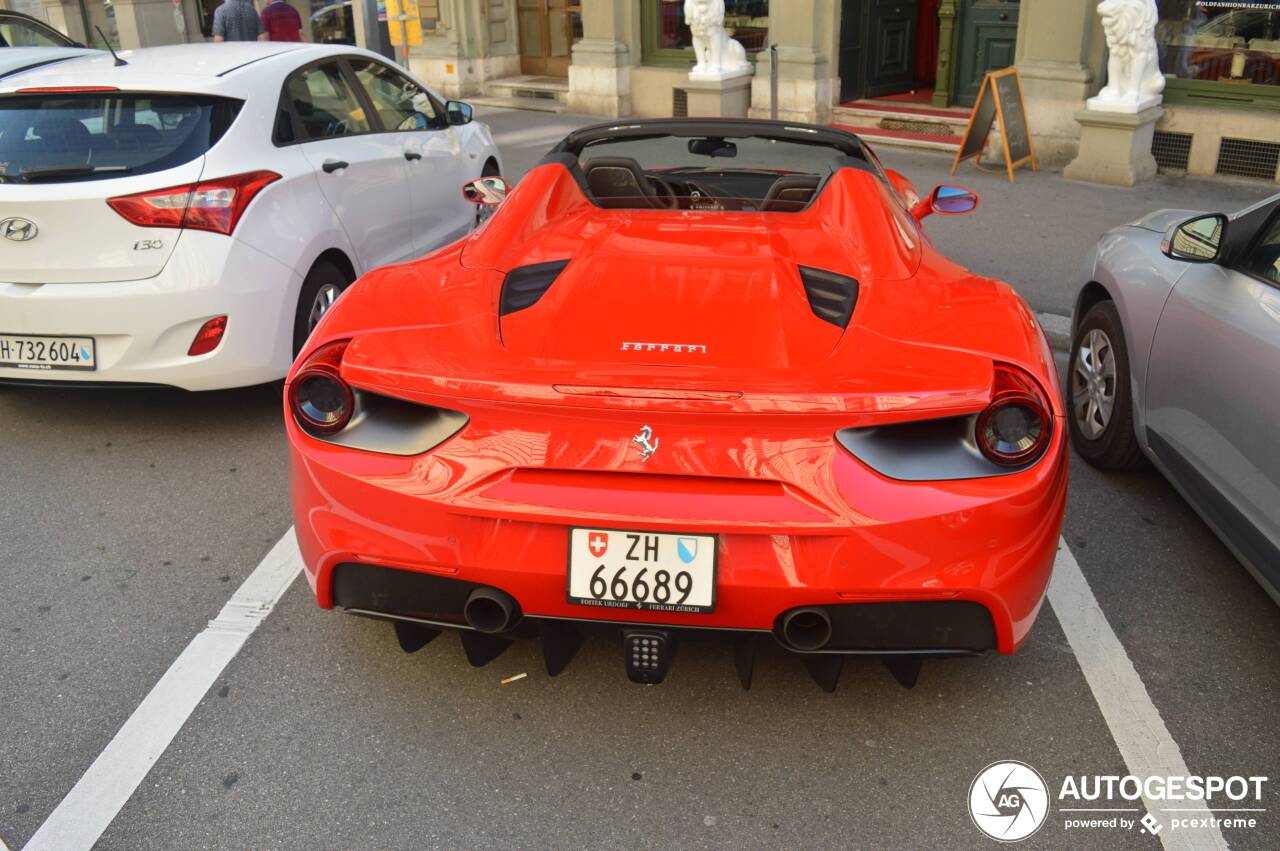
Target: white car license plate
x,y
655,571
33,351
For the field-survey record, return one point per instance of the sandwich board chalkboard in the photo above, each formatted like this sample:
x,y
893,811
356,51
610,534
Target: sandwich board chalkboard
x,y
1000,99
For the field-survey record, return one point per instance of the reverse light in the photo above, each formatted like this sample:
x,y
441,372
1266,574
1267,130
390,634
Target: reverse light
x,y
320,400
212,205
208,337
1015,428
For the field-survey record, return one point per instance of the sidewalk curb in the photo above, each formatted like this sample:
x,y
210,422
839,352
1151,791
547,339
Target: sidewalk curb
x,y
1058,329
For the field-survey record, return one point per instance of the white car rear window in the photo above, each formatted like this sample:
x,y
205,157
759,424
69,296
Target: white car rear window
x,y
61,137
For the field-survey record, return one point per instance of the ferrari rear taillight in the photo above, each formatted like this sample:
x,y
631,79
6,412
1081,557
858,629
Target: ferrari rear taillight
x,y
212,205
1015,428
321,401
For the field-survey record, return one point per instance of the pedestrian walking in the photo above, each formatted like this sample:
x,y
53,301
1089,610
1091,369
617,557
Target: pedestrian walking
x,y
236,20
281,22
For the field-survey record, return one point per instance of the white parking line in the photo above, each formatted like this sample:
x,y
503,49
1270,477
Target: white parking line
x,y
91,805
1135,723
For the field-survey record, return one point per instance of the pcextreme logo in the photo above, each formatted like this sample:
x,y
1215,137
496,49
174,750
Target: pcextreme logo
x,y
1008,801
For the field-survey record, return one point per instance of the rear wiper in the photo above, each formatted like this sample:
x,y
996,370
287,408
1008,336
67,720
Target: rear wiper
x,y
69,170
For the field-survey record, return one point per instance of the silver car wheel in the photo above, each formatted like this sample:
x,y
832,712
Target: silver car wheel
x,y
1093,384
324,300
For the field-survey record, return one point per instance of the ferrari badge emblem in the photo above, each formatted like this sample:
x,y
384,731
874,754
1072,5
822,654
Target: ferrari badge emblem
x,y
642,442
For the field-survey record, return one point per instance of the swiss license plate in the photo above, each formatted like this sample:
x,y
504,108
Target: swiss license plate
x,y
34,351
655,571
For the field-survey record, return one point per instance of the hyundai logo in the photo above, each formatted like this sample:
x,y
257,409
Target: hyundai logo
x,y
18,230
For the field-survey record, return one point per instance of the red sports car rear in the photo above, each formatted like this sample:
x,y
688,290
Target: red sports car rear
x,y
746,395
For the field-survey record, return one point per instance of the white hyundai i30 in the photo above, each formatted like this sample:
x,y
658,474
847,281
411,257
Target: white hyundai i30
x,y
184,217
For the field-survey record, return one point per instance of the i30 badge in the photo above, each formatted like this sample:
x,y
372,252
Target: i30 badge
x,y
18,230
642,442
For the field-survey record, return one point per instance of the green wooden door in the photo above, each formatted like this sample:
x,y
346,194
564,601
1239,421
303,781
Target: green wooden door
x,y
877,47
988,35
891,53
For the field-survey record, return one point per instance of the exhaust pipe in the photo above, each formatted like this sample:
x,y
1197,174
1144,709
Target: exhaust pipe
x,y
490,610
807,629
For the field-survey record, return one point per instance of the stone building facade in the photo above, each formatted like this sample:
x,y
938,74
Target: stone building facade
x,y
630,57
917,63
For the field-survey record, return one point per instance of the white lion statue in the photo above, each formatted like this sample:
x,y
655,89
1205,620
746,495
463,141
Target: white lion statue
x,y
1134,81
718,55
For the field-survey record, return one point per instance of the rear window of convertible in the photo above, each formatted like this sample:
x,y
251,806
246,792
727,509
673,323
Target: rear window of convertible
x,y
62,137
714,172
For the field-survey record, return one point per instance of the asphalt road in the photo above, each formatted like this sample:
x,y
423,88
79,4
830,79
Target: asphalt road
x,y
129,518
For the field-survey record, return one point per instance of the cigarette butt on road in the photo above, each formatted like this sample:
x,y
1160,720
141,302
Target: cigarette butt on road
x,y
509,680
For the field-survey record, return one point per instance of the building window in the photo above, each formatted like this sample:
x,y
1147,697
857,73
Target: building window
x,y
429,14
667,40
1224,51
332,23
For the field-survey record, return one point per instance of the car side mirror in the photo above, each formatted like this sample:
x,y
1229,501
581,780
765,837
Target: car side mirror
x,y
948,200
1198,240
486,191
459,113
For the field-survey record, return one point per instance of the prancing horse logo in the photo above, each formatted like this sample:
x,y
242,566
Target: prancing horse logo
x,y
641,442
18,230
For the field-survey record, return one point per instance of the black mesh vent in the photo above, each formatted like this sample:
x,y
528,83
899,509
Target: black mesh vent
x,y
524,286
1171,150
1248,158
831,296
925,128
679,103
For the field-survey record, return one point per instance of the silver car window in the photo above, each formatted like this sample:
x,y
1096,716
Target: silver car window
x,y
1263,259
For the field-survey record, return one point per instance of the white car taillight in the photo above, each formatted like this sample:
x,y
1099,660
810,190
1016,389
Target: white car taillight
x,y
212,205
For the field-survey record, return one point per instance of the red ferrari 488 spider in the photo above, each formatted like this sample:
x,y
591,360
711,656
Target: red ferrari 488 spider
x,y
690,375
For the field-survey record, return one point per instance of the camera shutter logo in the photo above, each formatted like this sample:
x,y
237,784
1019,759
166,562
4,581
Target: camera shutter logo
x,y
1008,801
18,230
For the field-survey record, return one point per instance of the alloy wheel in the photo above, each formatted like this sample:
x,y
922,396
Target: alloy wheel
x,y
325,297
1093,384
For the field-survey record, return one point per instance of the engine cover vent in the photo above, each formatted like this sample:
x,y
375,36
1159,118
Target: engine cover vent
x,y
831,297
524,286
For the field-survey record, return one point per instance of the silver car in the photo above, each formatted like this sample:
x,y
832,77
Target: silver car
x,y
1175,357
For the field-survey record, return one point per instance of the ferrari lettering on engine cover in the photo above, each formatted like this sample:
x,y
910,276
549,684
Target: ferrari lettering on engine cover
x,y
691,348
